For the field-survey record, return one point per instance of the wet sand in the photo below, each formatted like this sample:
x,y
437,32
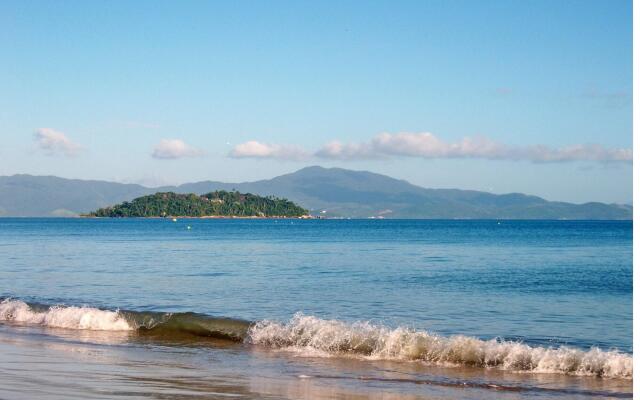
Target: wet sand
x,y
47,363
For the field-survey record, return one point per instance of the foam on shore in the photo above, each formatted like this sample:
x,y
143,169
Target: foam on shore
x,y
63,317
314,336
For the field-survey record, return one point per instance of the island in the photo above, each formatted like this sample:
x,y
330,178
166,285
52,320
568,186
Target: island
x,y
218,204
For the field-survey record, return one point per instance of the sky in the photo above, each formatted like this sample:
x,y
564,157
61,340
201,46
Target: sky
x,y
499,96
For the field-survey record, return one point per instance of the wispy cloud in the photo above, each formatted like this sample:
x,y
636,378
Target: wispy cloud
x,y
169,149
347,151
54,142
427,145
254,149
579,152
612,98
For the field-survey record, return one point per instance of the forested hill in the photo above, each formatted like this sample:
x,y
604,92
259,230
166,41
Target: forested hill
x,y
218,203
329,192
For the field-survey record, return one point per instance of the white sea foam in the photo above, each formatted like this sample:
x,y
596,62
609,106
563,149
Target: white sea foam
x,y
63,317
312,335
317,337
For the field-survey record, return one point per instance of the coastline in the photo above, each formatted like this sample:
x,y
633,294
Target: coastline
x,y
312,336
41,363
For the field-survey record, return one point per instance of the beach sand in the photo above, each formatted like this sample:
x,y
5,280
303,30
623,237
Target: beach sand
x,y
52,364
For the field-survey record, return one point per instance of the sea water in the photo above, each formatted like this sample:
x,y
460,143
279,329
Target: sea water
x,y
499,308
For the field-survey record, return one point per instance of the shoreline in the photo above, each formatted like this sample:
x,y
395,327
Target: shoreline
x,y
135,368
314,336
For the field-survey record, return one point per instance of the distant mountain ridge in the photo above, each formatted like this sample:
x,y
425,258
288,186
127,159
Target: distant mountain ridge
x,y
332,192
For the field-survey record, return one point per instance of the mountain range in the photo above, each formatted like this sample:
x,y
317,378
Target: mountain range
x,y
331,192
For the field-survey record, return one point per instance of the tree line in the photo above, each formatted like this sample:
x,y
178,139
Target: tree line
x,y
218,203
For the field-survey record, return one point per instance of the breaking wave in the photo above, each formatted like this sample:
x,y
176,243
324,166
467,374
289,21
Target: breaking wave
x,y
63,317
330,337
314,336
169,325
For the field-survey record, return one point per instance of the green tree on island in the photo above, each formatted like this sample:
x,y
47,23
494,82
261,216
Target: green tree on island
x,y
219,203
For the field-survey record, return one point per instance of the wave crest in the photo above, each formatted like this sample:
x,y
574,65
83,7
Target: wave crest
x,y
63,317
319,337
331,337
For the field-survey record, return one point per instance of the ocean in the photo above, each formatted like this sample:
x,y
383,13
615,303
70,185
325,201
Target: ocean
x,y
335,309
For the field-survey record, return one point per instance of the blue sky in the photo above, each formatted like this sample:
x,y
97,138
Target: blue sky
x,y
502,96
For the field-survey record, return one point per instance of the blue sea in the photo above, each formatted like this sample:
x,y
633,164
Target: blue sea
x,y
288,308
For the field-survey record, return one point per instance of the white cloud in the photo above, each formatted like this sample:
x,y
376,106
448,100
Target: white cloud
x,y
174,148
427,145
254,149
346,151
54,142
